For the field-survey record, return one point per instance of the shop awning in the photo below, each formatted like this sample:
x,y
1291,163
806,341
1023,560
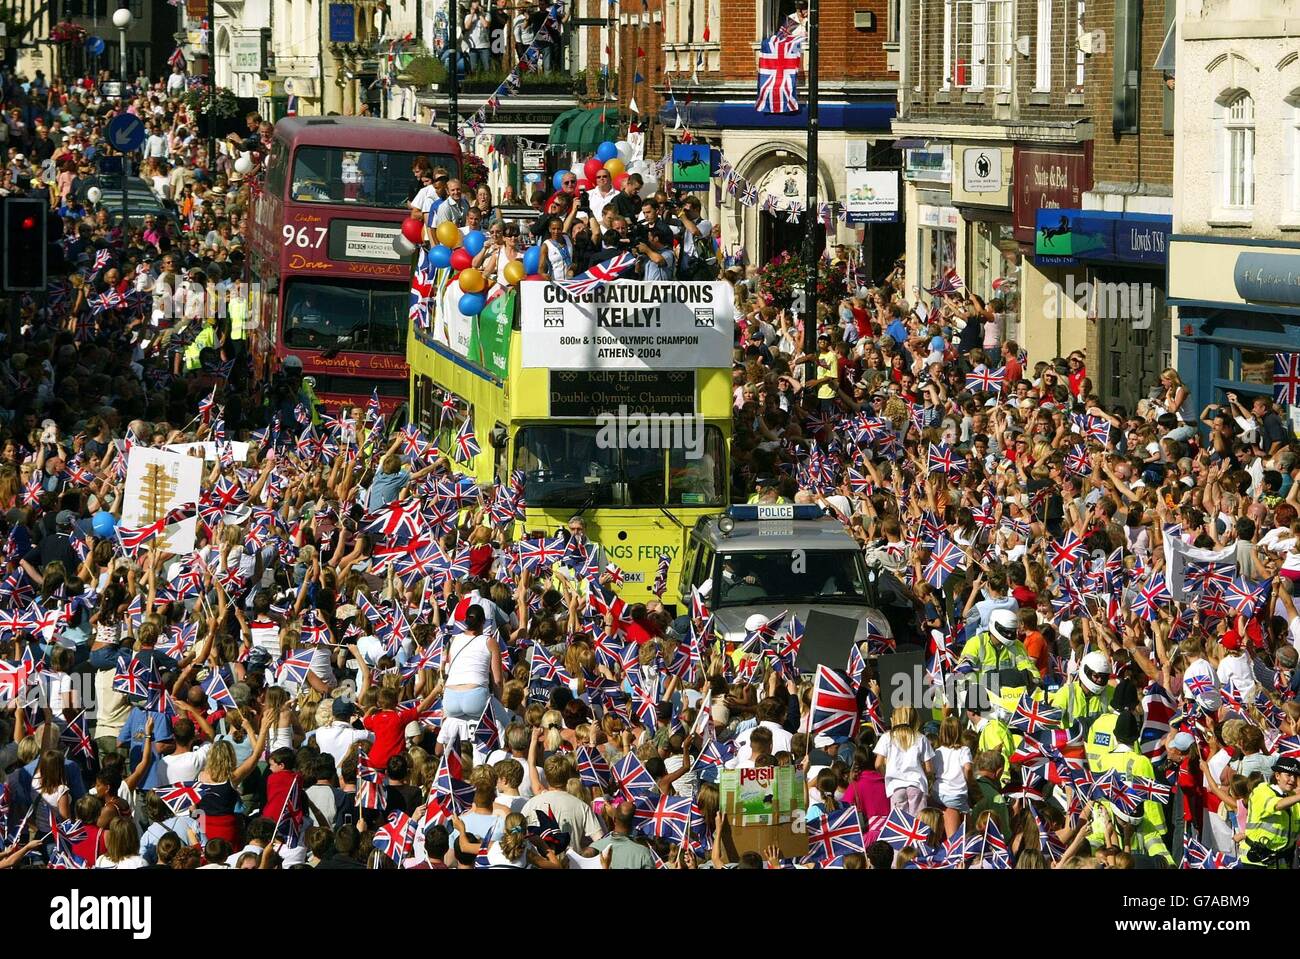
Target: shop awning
x,y
561,124
582,130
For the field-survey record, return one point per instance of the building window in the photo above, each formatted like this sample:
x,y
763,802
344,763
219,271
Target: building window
x,y
891,21
1080,58
1239,153
1043,53
1128,37
775,14
947,44
983,43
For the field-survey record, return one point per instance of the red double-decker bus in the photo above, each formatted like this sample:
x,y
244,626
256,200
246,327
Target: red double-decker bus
x,y
333,289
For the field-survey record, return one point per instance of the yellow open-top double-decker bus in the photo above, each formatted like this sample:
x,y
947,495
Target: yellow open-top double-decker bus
x,y
615,404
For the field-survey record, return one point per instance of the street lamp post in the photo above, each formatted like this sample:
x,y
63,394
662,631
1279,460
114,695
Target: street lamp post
x,y
122,20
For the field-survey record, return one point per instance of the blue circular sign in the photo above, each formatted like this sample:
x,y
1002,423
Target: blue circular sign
x,y
126,133
94,46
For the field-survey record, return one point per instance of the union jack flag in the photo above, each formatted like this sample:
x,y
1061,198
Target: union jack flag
x,y
1198,856
661,575
669,819
983,380
76,737
598,275
1031,716
632,777
1151,595
1066,554
949,282
467,446
942,458
778,75
593,768
398,520
835,835
181,797
901,830
1286,378
945,559
834,705
395,837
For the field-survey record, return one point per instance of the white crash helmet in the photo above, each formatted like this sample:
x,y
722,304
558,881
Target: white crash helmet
x,y
1004,624
1094,671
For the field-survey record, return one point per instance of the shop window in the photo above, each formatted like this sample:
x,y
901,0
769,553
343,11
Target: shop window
x,y
1239,152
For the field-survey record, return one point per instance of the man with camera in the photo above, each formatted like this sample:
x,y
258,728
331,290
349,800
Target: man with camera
x,y
655,258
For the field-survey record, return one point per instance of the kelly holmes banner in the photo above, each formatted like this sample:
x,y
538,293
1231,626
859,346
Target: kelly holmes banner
x,y
628,325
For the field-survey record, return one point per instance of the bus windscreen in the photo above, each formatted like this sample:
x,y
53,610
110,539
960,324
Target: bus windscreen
x,y
346,315
569,466
379,178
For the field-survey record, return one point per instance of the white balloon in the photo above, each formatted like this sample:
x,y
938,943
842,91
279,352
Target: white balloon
x,y
579,169
638,166
94,194
649,184
624,150
244,165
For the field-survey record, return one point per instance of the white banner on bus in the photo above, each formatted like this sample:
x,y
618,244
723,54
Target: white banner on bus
x,y
452,328
628,325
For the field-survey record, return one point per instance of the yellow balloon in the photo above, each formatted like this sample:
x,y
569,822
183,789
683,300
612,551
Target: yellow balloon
x,y
448,234
515,272
472,281
615,166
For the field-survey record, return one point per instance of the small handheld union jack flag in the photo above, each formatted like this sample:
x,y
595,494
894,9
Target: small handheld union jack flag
x,y
467,446
902,830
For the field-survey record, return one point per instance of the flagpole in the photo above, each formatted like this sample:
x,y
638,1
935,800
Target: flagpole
x,y
811,251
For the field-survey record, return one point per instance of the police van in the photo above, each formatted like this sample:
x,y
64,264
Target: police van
x,y
761,558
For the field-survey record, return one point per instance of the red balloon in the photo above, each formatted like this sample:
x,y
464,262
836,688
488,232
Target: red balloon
x,y
591,168
413,229
534,276
460,259
584,185
619,181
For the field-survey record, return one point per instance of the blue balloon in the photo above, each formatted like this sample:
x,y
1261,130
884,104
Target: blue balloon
x,y
558,179
606,151
471,304
440,257
103,524
473,242
532,259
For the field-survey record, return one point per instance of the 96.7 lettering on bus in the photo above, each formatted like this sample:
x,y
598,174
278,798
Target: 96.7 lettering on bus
x,y
301,237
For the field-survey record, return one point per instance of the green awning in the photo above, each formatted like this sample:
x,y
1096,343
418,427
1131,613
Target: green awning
x,y
582,130
598,125
560,126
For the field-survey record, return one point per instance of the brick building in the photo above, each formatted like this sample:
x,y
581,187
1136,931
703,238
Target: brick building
x,y
1235,253
706,85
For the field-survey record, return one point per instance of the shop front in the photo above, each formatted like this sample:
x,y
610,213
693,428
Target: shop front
x,y
931,219
1238,306
981,190
1048,181
1113,269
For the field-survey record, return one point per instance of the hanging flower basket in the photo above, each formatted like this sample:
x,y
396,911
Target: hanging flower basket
x,y
779,279
68,32
199,100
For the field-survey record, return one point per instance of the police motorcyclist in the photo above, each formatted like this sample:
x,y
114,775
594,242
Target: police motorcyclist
x,y
1087,695
1273,819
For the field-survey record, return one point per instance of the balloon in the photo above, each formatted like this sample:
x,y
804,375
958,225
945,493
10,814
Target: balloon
x,y
534,276
103,524
532,259
591,168
471,304
624,150
584,185
620,180
472,281
460,258
474,241
413,229
615,167
514,272
606,151
649,184
558,178
440,257
448,234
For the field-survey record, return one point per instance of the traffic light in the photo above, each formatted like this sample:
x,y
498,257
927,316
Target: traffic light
x,y
26,246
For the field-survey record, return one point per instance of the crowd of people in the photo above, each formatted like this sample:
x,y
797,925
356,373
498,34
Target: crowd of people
x,y
1104,596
